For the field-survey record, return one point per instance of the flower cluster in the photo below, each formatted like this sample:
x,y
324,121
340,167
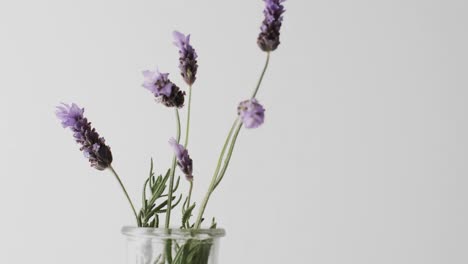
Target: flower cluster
x,y
93,146
269,38
188,57
183,159
166,91
251,113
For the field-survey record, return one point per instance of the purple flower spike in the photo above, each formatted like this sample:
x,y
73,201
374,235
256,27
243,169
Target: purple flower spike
x,y
93,146
183,159
252,113
269,38
166,91
188,57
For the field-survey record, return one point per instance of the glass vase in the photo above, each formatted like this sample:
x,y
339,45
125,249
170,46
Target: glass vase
x,y
172,246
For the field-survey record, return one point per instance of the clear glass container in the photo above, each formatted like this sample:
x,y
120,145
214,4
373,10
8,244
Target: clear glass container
x,y
172,246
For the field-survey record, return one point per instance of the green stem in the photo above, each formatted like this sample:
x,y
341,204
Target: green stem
x,y
189,193
126,193
213,180
171,177
261,76
187,130
169,251
226,143
228,157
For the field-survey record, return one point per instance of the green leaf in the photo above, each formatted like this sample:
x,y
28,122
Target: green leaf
x,y
213,224
186,216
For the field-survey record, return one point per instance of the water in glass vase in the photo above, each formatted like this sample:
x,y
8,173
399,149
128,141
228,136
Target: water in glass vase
x,y
172,246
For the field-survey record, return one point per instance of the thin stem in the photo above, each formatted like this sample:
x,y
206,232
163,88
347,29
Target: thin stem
x,y
228,157
189,193
171,177
126,193
213,180
169,251
226,143
261,76
187,130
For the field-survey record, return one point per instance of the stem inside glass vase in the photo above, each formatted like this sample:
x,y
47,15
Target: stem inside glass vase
x,y
149,245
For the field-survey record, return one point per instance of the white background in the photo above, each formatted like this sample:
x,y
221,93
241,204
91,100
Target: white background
x,y
362,158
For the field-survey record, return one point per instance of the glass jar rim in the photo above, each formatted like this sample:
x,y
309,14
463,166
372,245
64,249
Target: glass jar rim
x,y
171,233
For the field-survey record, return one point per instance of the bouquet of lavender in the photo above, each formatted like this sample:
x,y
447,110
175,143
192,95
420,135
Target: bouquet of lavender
x,y
159,197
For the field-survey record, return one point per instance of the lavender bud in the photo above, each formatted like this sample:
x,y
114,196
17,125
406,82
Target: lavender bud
x,y
251,113
183,159
176,98
188,57
93,146
269,38
163,89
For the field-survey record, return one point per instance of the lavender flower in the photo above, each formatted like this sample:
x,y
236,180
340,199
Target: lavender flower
x,y
188,57
183,159
269,38
157,83
166,91
93,146
252,113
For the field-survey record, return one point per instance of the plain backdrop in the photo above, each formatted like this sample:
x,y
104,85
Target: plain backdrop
x,y
362,158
